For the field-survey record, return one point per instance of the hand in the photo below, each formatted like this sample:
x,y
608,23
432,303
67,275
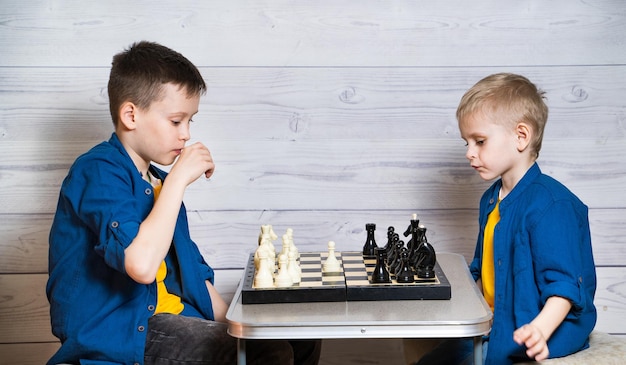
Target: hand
x,y
194,160
535,342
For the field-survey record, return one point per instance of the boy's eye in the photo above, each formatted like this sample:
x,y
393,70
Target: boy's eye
x,y
480,142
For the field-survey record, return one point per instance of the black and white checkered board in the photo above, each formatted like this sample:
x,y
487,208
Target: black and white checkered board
x,y
352,284
315,286
359,286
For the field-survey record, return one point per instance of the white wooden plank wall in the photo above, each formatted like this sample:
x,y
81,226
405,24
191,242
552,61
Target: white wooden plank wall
x,y
322,116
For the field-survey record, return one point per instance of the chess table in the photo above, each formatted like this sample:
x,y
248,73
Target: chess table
x,y
465,314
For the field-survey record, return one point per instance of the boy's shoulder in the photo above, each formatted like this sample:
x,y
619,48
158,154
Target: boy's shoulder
x,y
102,158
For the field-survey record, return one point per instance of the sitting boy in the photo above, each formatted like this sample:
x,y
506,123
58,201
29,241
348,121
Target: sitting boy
x,y
127,284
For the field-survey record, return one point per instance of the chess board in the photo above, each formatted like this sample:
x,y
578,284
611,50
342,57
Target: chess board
x,y
351,284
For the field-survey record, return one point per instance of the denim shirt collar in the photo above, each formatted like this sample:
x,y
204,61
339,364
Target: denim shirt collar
x,y
533,172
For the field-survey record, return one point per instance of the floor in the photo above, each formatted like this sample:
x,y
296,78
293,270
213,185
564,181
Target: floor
x,y
362,351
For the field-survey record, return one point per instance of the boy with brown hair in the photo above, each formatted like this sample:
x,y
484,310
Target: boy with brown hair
x,y
127,284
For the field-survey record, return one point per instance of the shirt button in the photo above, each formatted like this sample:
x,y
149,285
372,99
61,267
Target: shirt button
x,y
114,224
491,201
580,279
499,262
140,328
148,191
150,308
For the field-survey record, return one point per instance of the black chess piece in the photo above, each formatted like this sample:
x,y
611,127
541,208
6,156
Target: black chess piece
x,y
426,257
412,244
405,274
394,257
370,242
396,265
380,273
390,232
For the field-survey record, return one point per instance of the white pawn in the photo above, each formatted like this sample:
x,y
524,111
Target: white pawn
x,y
263,277
293,268
331,264
283,279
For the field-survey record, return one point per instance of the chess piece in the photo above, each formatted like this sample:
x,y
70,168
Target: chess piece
x,y
412,244
380,273
283,279
263,277
394,257
263,246
286,246
405,274
390,232
292,246
370,241
293,268
396,265
331,264
426,257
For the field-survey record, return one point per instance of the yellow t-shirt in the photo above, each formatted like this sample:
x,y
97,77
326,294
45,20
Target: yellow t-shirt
x,y
166,302
488,275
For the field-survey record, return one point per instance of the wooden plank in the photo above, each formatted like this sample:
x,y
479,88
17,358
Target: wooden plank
x,y
226,238
324,33
325,175
24,313
24,309
247,105
27,353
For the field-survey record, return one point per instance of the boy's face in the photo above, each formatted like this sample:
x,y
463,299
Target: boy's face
x,y
491,147
163,129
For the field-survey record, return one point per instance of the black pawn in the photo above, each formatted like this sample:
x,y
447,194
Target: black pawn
x,y
370,242
390,232
380,273
405,274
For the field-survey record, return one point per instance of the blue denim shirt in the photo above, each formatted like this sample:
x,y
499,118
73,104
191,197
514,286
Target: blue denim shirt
x,y
542,248
98,312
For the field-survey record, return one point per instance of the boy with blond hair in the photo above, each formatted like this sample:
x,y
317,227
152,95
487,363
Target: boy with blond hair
x,y
533,259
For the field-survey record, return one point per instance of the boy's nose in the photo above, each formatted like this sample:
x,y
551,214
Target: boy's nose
x,y
184,133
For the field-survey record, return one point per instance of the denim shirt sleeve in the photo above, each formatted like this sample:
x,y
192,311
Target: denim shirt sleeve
x,y
558,264
108,200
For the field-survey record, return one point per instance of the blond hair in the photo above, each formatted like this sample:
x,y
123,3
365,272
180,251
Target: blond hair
x,y
508,99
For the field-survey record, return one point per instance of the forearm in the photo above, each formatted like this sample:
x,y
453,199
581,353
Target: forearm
x,y
148,249
220,307
552,315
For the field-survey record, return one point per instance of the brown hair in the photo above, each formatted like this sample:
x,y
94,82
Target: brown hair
x,y
139,73
511,99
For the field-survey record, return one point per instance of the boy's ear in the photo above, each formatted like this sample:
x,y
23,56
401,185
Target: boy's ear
x,y
524,134
128,111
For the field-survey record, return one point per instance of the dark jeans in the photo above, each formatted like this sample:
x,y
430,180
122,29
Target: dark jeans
x,y
180,340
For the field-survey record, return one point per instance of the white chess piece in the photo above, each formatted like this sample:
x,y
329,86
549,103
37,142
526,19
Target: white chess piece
x,y
268,233
286,246
283,279
271,256
263,276
293,268
292,246
331,264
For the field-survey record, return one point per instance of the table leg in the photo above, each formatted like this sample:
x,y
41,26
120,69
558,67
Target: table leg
x,y
478,350
241,351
